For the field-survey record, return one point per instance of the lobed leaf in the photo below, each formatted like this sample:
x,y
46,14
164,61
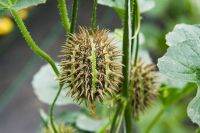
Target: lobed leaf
x,y
182,61
45,87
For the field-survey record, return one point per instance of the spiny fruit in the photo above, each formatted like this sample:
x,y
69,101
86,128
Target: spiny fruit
x,y
89,65
143,87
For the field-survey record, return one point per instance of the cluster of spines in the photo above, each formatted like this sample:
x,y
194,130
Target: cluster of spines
x,y
89,65
143,87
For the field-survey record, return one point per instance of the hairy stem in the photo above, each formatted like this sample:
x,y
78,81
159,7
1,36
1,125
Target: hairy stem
x,y
64,15
52,109
94,15
74,16
31,43
126,62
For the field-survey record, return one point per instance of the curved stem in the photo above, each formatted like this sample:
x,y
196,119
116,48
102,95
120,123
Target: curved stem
x,y
155,120
74,16
137,19
134,12
136,50
4,5
31,43
117,119
52,109
94,15
64,15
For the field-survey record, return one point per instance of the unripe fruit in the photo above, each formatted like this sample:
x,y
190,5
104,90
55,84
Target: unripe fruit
x,y
89,65
143,87
6,25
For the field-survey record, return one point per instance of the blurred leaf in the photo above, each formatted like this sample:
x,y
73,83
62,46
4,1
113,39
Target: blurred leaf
x,y
193,109
144,5
181,33
177,84
45,87
69,116
118,6
44,117
89,124
182,61
21,4
169,95
169,122
18,4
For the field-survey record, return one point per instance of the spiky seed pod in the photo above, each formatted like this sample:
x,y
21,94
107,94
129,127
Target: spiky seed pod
x,y
62,128
89,65
143,86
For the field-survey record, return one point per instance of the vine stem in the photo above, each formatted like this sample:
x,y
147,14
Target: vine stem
x,y
136,50
4,5
31,43
94,15
127,34
74,16
126,62
64,15
118,117
52,109
34,47
155,120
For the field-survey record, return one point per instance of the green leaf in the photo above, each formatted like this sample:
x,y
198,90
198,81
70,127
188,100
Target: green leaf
x,y
181,33
193,108
21,4
45,87
17,4
86,123
182,61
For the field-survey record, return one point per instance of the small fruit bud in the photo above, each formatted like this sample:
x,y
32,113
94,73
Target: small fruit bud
x,y
89,65
143,87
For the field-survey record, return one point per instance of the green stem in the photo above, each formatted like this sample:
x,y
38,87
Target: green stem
x,y
117,119
155,120
134,12
52,109
126,62
31,43
137,19
136,50
74,16
4,5
64,15
94,15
